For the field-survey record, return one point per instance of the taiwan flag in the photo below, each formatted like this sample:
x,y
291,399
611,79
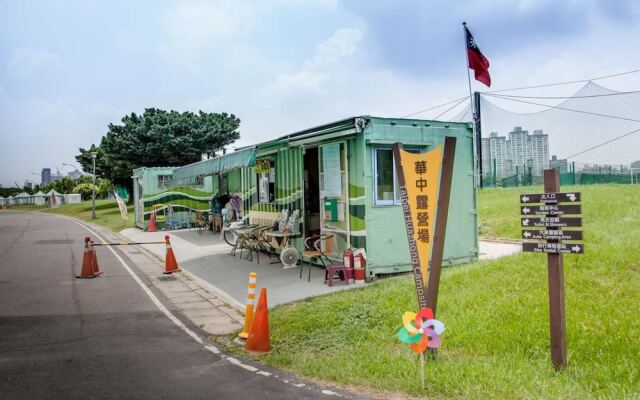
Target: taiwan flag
x,y
477,61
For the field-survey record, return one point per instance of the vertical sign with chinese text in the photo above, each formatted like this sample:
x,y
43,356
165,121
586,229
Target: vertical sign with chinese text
x,y
418,178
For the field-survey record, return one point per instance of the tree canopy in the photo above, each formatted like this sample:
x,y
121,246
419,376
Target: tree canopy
x,y
158,138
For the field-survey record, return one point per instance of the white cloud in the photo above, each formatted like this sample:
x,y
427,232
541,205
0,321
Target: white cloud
x,y
197,31
329,62
343,43
30,62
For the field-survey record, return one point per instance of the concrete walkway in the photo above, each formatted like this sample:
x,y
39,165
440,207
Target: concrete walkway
x,y
209,311
492,249
205,259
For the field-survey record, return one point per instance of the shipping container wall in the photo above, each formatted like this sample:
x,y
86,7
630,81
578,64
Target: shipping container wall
x,y
387,247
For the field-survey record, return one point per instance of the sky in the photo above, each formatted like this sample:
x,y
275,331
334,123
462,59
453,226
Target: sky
x,y
69,68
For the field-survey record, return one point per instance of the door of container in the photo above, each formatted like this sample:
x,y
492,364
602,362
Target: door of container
x,y
138,202
334,198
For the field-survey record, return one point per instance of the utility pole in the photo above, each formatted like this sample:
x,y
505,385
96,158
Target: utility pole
x,y
93,196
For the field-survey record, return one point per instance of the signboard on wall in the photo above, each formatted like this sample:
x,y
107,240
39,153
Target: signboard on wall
x,y
263,166
331,170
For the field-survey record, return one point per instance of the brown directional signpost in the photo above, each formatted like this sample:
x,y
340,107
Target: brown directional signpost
x,y
549,211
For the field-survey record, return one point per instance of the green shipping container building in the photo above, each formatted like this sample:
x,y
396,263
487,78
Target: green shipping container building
x,y
340,176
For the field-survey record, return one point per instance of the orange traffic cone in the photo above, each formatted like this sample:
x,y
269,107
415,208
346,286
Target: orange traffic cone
x,y
248,313
152,223
88,270
258,340
170,263
96,267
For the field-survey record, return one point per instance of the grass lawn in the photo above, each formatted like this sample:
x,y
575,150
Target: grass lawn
x,y
496,313
107,213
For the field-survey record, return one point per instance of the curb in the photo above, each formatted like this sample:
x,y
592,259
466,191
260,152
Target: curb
x,y
204,285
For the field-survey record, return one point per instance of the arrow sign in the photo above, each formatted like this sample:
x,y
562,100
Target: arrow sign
x,y
551,209
551,234
551,222
573,197
553,248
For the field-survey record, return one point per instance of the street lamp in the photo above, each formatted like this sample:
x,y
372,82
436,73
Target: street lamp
x,y
93,196
75,169
37,174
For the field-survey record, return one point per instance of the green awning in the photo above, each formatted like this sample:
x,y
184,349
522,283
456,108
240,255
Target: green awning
x,y
184,176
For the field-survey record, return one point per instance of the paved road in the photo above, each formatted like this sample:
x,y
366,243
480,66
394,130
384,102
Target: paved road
x,y
103,338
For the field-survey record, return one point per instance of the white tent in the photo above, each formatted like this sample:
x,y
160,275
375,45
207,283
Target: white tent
x,y
10,200
3,201
54,198
72,198
39,198
23,198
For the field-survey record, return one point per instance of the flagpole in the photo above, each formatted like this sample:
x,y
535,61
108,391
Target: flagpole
x,y
473,111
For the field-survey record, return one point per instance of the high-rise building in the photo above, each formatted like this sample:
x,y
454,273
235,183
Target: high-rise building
x,y
520,153
539,152
494,155
46,176
74,174
518,149
560,164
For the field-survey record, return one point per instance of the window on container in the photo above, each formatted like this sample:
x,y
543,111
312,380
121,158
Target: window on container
x,y
163,181
199,181
266,178
223,181
386,191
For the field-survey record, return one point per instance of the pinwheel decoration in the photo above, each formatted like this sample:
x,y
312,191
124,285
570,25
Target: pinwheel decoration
x,y
421,331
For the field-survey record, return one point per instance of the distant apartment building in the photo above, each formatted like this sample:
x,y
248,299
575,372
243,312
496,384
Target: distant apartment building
x,y
519,153
45,177
494,155
539,152
560,164
74,174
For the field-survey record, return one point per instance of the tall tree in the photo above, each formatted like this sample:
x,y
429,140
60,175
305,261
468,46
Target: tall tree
x,y
158,138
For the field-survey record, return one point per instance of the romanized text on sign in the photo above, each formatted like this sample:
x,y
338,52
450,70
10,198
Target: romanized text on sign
x,y
573,197
553,248
550,222
553,234
551,209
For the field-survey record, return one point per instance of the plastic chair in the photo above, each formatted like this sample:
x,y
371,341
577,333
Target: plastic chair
x,y
334,269
313,251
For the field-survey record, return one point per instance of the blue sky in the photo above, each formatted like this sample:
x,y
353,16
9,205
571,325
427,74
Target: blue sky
x,y
68,68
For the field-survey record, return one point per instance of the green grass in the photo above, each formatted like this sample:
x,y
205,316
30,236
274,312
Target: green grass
x,y
107,213
497,340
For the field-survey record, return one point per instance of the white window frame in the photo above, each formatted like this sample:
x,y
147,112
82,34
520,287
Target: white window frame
x,y
374,161
164,181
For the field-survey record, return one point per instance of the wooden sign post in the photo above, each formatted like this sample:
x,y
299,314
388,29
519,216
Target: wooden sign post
x,y
550,216
555,268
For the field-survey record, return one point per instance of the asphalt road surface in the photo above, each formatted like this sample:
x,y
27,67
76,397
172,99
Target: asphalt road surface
x,y
103,338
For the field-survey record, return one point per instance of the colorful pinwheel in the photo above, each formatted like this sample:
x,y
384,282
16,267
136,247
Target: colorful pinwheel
x,y
420,330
